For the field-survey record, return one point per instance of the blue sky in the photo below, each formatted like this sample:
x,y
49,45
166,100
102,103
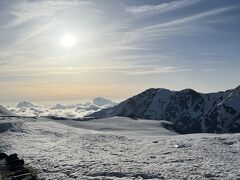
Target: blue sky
x,y
122,47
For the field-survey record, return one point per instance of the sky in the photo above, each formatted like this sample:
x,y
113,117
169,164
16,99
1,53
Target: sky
x,y
116,49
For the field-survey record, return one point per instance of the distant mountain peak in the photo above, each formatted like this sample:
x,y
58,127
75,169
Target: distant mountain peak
x,y
101,101
26,104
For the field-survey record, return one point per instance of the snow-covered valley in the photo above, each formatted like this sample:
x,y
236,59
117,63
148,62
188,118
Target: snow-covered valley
x,y
118,148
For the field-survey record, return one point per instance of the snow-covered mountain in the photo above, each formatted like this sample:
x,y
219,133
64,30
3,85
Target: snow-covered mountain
x,y
101,101
190,111
26,104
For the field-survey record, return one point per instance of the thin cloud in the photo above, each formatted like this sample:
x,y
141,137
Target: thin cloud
x,y
38,29
40,16
160,8
26,11
189,18
134,48
174,27
124,68
209,70
155,70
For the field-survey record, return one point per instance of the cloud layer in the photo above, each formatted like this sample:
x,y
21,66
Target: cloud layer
x,y
160,8
26,108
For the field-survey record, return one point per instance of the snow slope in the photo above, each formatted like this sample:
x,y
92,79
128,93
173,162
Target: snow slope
x,y
124,126
102,149
188,110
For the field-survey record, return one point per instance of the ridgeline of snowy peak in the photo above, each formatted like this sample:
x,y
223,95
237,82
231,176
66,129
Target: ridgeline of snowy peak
x,y
190,111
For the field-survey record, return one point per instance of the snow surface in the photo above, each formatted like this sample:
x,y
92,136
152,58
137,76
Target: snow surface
x,y
118,148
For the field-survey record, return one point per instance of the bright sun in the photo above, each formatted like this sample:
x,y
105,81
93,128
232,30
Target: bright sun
x,y
68,40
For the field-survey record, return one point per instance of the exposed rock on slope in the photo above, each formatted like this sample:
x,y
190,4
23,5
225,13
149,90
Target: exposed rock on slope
x,y
190,111
11,167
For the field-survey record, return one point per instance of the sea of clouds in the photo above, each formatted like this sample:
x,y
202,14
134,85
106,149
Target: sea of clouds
x,y
26,108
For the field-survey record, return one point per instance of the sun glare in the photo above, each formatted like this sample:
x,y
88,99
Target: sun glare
x,y
68,40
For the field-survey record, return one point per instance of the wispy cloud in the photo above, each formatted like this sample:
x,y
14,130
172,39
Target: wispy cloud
x,y
174,27
36,30
155,70
123,68
26,11
160,8
209,70
38,17
130,48
190,18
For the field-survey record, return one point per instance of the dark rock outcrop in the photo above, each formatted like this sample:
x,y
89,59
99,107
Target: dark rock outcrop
x,y
3,156
14,169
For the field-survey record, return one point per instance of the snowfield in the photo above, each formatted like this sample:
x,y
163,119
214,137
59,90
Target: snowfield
x,y
118,148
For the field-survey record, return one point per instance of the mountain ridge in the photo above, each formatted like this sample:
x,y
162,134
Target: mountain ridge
x,y
190,111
